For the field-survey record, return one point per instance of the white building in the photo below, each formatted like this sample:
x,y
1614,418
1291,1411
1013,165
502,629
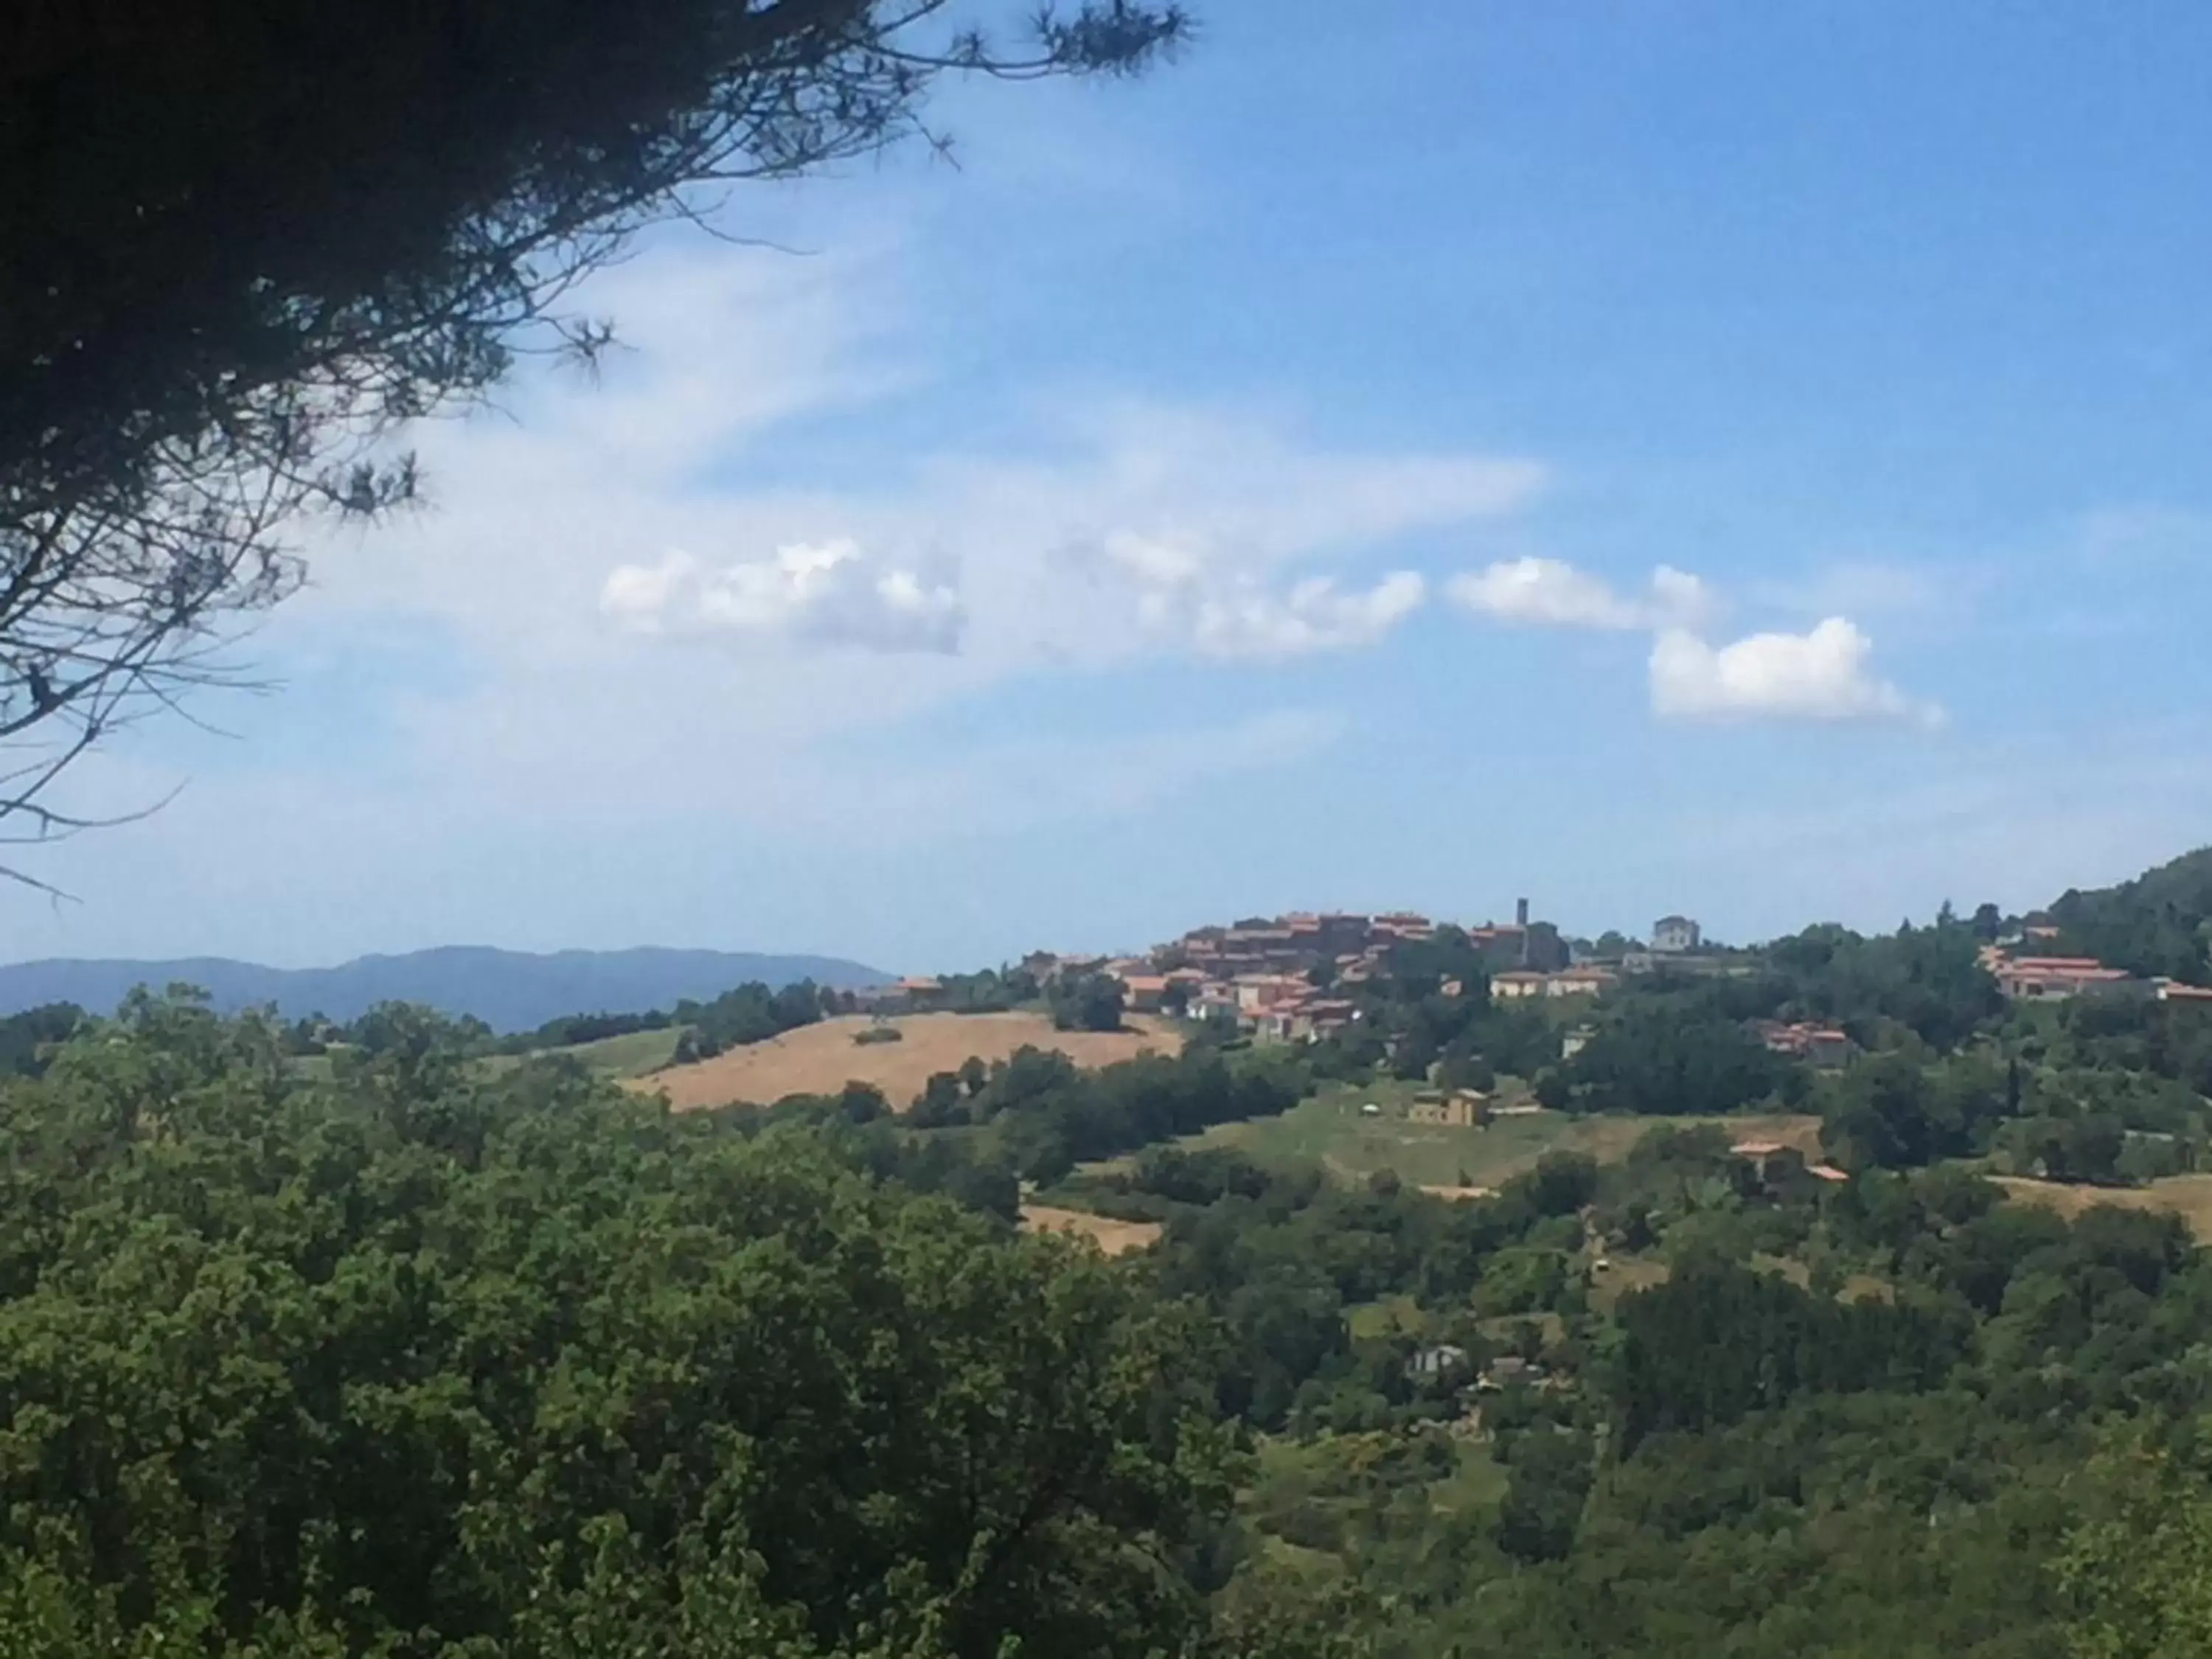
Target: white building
x,y
1673,935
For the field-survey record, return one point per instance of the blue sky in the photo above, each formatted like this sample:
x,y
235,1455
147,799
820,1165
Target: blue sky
x,y
1243,490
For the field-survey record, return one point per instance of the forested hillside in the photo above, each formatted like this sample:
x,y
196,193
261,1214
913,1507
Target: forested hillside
x,y
399,1339
410,1357
2159,923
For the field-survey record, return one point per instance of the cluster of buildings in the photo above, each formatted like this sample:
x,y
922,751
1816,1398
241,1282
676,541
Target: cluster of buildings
x,y
2057,978
1285,977
1352,944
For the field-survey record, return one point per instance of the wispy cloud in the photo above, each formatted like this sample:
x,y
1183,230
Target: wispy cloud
x,y
1873,587
1552,593
1821,675
828,595
2143,534
1185,598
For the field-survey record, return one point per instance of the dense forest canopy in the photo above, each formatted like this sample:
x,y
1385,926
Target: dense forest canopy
x,y
416,1359
2159,923
411,1353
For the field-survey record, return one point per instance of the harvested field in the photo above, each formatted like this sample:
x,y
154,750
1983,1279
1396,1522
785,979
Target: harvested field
x,y
2189,1196
1114,1237
822,1058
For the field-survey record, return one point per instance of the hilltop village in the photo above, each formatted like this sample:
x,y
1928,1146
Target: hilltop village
x,y
1287,977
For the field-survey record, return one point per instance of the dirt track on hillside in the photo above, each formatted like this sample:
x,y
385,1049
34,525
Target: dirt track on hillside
x,y
1113,1236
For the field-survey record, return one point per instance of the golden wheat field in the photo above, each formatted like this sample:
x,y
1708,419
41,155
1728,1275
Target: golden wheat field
x,y
822,1059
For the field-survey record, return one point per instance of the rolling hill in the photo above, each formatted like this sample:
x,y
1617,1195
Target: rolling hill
x,y
509,990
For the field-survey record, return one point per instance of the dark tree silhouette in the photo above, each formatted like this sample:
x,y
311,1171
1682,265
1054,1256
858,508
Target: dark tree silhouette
x,y
241,240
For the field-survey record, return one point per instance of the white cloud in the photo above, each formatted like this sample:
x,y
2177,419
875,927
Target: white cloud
x,y
1822,675
826,595
1552,593
1182,597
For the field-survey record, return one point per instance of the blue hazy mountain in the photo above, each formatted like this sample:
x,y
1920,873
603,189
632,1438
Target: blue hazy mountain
x,y
509,990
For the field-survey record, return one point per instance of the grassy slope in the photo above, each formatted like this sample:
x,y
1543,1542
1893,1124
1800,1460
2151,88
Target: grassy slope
x,y
1329,1129
635,1053
2189,1196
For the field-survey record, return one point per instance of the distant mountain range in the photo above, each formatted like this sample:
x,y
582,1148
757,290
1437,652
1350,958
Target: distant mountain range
x,y
509,990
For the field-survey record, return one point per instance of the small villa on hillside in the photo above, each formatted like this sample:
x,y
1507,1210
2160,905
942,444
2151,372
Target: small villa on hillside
x,y
1820,1045
1776,1162
1141,993
916,994
1586,982
1463,1109
2032,979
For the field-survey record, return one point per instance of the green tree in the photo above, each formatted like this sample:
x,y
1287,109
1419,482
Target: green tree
x,y
939,1102
1093,1003
424,1360
27,1039
2137,1572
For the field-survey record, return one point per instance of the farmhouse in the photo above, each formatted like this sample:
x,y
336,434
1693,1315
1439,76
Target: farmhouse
x,y
920,992
1823,1046
1581,982
1141,993
1441,1360
1463,1109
